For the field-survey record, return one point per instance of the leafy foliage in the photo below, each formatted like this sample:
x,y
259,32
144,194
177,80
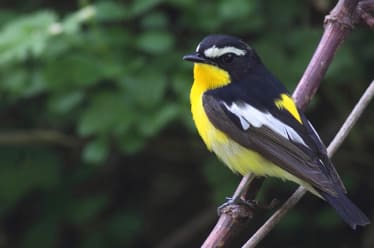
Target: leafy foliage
x,y
108,76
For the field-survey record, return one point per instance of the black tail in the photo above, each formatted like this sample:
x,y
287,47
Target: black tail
x,y
350,213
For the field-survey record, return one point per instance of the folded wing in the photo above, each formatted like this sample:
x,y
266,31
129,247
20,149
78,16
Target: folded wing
x,y
292,145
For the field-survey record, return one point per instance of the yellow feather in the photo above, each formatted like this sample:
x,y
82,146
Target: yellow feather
x,y
206,77
286,102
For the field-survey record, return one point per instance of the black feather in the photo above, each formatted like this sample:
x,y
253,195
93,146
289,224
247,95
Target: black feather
x,y
349,212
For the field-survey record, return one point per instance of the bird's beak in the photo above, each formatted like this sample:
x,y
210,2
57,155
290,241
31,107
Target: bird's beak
x,y
197,58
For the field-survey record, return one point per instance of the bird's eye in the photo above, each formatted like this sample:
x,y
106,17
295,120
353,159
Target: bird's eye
x,y
227,58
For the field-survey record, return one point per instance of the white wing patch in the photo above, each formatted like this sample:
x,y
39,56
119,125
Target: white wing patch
x,y
250,116
215,52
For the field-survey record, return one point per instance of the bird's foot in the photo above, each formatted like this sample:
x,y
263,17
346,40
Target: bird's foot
x,y
239,201
252,204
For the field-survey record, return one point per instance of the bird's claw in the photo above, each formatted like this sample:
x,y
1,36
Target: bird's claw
x,y
253,204
230,201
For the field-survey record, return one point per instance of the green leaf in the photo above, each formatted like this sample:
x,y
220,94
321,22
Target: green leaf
x,y
156,121
26,36
110,11
23,83
72,23
112,106
155,42
139,7
65,102
235,9
146,90
154,20
96,151
84,70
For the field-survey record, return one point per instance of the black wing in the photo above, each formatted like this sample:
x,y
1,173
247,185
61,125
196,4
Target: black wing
x,y
295,147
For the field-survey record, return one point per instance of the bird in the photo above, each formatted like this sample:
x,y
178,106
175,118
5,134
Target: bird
x,y
247,117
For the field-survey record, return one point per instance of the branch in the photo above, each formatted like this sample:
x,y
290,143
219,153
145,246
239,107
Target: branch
x,y
38,136
363,9
300,192
351,120
338,24
232,217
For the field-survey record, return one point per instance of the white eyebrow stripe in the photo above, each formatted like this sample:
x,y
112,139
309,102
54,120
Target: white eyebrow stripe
x,y
214,52
198,47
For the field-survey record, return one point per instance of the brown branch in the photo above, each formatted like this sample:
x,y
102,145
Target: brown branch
x,y
233,217
275,218
243,186
364,11
351,120
338,24
300,192
31,137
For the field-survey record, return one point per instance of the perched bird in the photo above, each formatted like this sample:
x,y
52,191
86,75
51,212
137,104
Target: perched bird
x,y
248,119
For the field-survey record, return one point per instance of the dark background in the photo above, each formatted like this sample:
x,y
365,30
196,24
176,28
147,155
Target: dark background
x,y
97,145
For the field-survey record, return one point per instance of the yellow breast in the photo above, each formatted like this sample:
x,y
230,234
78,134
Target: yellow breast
x,y
206,77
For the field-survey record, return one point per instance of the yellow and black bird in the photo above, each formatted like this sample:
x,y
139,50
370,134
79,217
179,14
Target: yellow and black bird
x,y
248,119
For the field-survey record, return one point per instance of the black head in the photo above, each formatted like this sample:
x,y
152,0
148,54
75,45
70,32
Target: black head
x,y
226,52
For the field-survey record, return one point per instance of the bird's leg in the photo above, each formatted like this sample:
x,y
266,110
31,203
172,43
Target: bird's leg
x,y
236,199
243,186
252,204
239,197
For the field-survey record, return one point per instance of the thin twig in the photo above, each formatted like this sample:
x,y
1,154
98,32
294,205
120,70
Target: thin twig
x,y
232,216
243,186
364,11
338,24
275,218
351,120
30,137
300,192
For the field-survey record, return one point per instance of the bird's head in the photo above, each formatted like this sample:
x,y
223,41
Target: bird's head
x,y
223,54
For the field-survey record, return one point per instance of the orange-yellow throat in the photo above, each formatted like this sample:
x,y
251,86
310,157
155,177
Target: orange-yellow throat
x,y
206,77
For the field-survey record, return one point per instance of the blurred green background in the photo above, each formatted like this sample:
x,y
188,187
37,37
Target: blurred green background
x,y
97,146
